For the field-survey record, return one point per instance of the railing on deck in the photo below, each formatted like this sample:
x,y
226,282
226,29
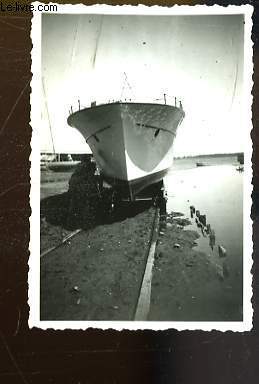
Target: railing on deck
x,y
176,102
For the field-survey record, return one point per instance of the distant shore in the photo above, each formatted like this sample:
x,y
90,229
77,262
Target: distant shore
x,y
179,163
206,160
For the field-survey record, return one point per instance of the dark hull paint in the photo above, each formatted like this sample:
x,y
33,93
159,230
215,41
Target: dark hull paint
x,y
142,187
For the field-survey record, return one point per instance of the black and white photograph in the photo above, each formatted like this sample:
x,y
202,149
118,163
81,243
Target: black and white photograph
x,y
141,168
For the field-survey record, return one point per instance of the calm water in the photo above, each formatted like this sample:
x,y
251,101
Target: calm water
x,y
217,192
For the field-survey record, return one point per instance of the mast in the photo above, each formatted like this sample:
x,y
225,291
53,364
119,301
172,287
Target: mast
x,y
47,109
126,82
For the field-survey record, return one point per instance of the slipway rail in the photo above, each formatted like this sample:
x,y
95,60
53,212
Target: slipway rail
x,y
143,302
143,299
68,237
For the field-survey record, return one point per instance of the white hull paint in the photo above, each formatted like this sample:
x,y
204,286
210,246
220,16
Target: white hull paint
x,y
131,142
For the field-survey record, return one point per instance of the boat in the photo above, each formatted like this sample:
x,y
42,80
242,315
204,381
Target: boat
x,y
132,143
62,166
58,163
240,168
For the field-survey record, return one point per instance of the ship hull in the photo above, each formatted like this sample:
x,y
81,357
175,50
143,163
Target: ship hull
x,y
132,143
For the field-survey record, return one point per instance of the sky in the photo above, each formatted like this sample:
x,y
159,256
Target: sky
x,y
198,59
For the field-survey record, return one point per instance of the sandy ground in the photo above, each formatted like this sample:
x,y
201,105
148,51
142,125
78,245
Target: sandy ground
x,y
97,275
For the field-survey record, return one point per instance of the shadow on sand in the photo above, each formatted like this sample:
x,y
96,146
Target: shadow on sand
x,y
69,212
87,204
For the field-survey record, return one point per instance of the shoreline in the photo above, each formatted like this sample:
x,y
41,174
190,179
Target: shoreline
x,y
48,176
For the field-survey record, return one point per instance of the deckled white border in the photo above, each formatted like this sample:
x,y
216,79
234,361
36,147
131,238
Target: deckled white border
x,y
34,261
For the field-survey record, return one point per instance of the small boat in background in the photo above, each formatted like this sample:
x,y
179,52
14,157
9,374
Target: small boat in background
x,y
62,166
58,162
199,164
240,168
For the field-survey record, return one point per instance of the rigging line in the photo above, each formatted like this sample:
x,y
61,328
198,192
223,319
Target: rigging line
x,y
71,56
126,79
128,84
123,87
47,109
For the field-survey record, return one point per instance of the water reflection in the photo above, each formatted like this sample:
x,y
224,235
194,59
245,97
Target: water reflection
x,y
213,199
212,239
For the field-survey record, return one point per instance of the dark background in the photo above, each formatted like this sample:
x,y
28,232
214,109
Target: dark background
x,y
94,356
